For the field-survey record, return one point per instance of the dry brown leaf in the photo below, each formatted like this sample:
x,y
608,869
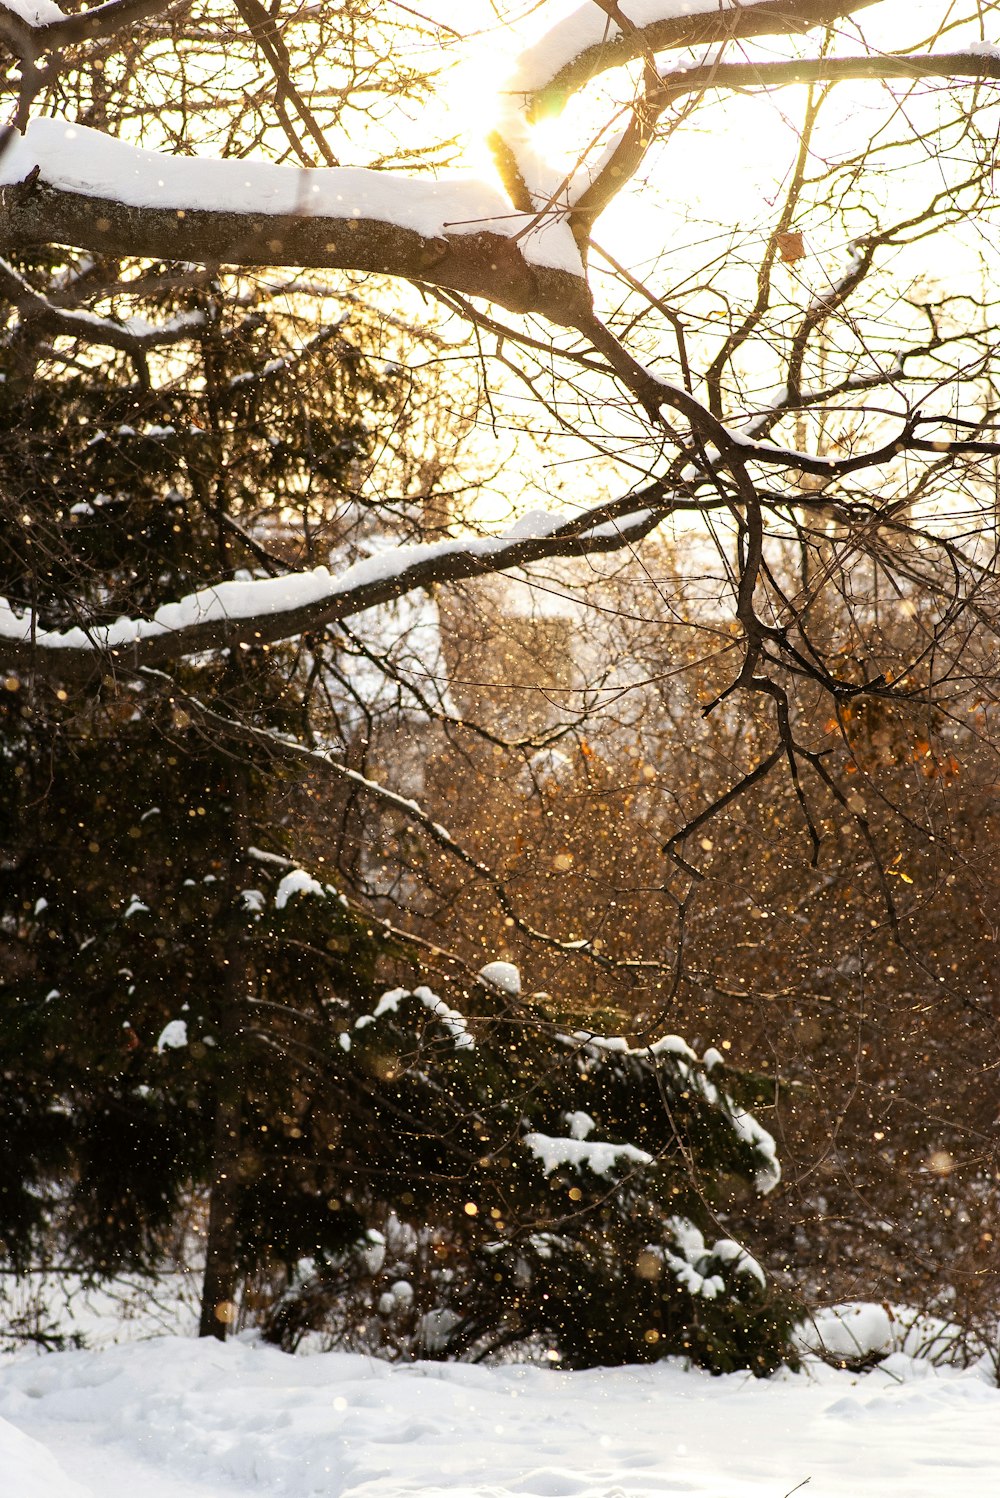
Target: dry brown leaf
x,y
791,246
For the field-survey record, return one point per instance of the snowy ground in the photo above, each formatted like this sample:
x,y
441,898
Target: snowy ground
x,y
177,1418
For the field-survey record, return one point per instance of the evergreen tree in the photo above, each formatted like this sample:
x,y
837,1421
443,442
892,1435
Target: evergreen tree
x,y
126,827
568,1185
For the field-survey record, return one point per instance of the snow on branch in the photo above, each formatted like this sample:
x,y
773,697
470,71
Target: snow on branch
x,y
603,34
262,610
36,14
589,42
133,335
32,27
64,183
259,611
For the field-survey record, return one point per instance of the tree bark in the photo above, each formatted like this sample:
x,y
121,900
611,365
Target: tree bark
x,y
221,1249
218,1296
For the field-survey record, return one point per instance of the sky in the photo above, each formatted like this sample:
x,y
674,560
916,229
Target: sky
x,y
730,160
712,193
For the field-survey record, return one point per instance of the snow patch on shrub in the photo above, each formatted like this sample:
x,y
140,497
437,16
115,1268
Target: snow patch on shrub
x,y
298,882
173,1037
583,1154
502,975
452,1021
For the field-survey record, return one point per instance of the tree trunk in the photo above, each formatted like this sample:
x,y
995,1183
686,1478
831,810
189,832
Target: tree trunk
x,y
218,1293
219,1285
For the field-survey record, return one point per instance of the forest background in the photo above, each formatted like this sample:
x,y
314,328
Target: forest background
x,y
588,567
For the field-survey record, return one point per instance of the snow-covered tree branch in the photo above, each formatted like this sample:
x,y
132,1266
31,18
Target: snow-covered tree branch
x,y
260,611
662,400
65,183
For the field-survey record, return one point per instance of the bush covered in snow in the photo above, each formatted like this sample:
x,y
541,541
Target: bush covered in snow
x,y
530,1186
515,1183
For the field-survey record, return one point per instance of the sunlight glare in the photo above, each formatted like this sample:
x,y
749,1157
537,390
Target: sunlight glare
x,y
470,92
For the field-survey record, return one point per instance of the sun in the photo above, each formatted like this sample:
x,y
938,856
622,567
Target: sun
x,y
729,163
470,95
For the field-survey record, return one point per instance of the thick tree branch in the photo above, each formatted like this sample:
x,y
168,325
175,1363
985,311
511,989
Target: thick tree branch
x,y
487,263
260,612
587,43
134,336
968,63
29,41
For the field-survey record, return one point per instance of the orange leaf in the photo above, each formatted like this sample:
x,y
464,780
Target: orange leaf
x,y
791,246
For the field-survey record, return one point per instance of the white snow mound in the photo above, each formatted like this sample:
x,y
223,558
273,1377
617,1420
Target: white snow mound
x,y
502,975
179,1418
